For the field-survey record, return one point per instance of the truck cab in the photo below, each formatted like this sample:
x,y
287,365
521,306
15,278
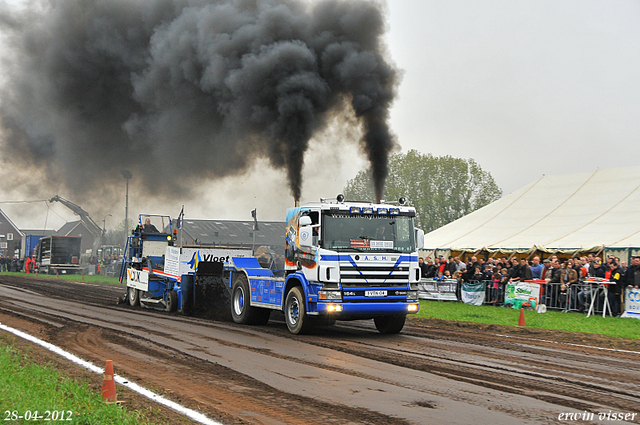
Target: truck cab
x,y
343,261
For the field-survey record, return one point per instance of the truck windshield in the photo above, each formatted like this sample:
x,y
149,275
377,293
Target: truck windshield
x,y
370,233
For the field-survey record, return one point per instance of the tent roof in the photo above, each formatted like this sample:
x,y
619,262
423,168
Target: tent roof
x,y
579,210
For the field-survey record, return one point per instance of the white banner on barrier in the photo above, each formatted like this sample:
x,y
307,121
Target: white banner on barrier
x,y
473,293
632,303
429,289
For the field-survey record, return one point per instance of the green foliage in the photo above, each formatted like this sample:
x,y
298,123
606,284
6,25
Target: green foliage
x,y
570,322
442,189
117,236
28,387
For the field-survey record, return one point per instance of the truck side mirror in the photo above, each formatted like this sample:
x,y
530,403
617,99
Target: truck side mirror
x,y
305,220
419,238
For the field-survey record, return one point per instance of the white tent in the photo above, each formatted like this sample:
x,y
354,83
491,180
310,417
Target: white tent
x,y
561,212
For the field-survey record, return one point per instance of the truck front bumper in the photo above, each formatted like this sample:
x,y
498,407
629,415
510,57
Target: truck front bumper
x,y
340,310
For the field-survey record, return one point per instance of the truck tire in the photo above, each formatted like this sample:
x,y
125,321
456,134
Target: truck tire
x,y
134,296
295,312
187,295
241,310
390,324
172,301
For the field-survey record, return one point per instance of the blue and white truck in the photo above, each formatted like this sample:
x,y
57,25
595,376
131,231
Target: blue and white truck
x,y
343,261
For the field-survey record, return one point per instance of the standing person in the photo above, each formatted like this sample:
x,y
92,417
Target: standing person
x,y
525,271
28,264
483,264
459,264
451,266
431,269
442,266
614,274
632,277
536,268
553,275
569,279
423,267
495,287
514,271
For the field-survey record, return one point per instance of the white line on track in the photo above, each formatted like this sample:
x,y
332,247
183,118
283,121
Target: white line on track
x,y
196,416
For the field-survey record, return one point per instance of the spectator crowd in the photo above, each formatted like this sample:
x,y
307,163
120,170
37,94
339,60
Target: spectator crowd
x,y
566,282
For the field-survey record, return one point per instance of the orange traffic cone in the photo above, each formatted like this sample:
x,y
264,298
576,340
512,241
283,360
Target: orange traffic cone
x,y
57,274
521,320
108,384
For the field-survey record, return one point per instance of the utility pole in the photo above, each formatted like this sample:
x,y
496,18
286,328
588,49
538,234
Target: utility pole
x,y
104,224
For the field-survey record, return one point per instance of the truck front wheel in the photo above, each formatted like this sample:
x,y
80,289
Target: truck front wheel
x,y
389,324
134,296
295,312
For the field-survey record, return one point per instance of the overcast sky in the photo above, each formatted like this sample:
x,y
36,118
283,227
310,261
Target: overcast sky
x,y
525,88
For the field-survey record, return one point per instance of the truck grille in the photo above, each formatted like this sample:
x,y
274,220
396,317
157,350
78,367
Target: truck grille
x,y
373,276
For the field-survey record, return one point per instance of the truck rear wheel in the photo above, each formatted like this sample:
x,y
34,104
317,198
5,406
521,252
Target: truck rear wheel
x,y
295,312
134,296
390,324
241,309
172,301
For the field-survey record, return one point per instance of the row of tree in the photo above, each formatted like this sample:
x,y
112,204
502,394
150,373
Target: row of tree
x,y
442,189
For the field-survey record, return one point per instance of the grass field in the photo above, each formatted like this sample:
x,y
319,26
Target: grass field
x,y
30,389
571,322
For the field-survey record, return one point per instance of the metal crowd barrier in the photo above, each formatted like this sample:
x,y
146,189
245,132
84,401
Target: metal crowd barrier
x,y
577,295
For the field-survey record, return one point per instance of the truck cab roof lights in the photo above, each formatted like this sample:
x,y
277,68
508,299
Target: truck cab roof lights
x,y
367,210
355,210
394,211
383,211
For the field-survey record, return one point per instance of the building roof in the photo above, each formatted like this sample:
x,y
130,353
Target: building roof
x,y
78,228
5,218
68,227
38,232
222,232
570,211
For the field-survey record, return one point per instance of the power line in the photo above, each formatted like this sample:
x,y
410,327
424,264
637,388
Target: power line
x,y
23,202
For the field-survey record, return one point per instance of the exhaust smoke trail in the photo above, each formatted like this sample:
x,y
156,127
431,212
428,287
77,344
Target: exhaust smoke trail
x,y
183,92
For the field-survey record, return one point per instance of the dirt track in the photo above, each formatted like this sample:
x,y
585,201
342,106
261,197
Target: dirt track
x,y
434,372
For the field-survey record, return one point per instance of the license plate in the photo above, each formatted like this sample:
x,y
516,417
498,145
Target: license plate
x,y
375,293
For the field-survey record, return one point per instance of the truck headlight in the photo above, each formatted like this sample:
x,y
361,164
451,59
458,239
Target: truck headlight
x,y
330,295
412,295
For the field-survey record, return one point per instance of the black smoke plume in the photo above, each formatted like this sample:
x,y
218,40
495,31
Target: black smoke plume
x,y
183,92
